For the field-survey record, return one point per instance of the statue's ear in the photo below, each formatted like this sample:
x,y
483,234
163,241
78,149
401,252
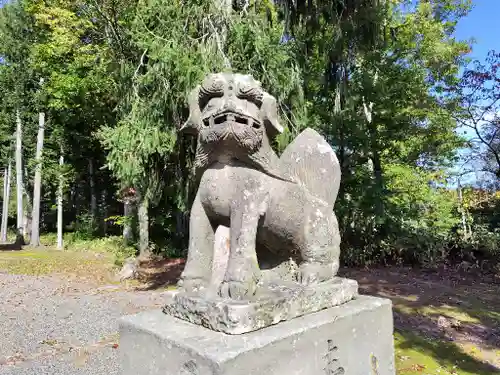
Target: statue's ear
x,y
193,123
269,113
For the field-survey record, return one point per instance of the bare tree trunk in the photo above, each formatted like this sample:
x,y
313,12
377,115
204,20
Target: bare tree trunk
x,y
224,5
462,212
379,180
128,213
104,209
19,181
77,189
27,207
35,215
5,206
375,155
143,216
93,194
60,205
6,198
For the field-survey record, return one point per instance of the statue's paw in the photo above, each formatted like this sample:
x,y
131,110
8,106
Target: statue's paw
x,y
191,284
237,289
310,272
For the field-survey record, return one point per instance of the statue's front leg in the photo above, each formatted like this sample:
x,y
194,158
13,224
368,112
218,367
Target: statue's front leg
x,y
243,272
197,272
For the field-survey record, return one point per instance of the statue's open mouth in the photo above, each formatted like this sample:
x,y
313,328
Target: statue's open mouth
x,y
232,117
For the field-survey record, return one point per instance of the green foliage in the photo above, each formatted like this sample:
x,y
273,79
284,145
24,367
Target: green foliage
x,y
117,220
425,213
419,223
483,245
479,237
113,245
413,191
85,227
74,242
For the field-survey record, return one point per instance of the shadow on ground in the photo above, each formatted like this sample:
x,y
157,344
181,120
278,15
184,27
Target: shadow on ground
x,y
16,246
155,274
10,246
453,317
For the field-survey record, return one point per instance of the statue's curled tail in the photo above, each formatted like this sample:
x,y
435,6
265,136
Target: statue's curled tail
x,y
312,161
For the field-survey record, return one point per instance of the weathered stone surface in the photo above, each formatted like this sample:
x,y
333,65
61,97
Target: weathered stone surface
x,y
274,302
354,338
278,205
221,255
285,270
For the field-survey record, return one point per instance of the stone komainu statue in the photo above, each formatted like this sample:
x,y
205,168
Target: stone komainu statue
x,y
279,206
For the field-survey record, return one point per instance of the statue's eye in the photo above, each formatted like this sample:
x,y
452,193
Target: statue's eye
x,y
212,104
209,101
251,93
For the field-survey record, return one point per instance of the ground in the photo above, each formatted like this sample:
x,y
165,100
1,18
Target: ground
x,y
59,310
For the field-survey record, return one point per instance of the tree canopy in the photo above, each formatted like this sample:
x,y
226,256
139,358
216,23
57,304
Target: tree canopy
x,y
380,80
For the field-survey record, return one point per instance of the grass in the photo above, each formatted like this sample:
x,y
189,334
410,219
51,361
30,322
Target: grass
x,y
94,267
105,245
94,260
418,355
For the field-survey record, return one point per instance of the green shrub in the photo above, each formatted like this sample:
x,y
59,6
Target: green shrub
x,y
73,242
85,227
418,223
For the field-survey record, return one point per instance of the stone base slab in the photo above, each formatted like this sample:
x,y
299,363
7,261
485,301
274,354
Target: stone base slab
x,y
354,338
273,304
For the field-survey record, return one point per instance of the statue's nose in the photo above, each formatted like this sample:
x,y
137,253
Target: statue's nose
x,y
229,105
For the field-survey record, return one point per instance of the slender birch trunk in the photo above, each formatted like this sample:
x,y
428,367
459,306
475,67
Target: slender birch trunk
x,y
19,180
60,205
462,212
6,199
143,217
375,154
93,194
104,210
35,215
128,213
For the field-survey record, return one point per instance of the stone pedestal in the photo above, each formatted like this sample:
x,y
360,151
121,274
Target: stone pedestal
x,y
273,303
354,338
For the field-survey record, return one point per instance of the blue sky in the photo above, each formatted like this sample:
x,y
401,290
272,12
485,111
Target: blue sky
x,y
483,24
